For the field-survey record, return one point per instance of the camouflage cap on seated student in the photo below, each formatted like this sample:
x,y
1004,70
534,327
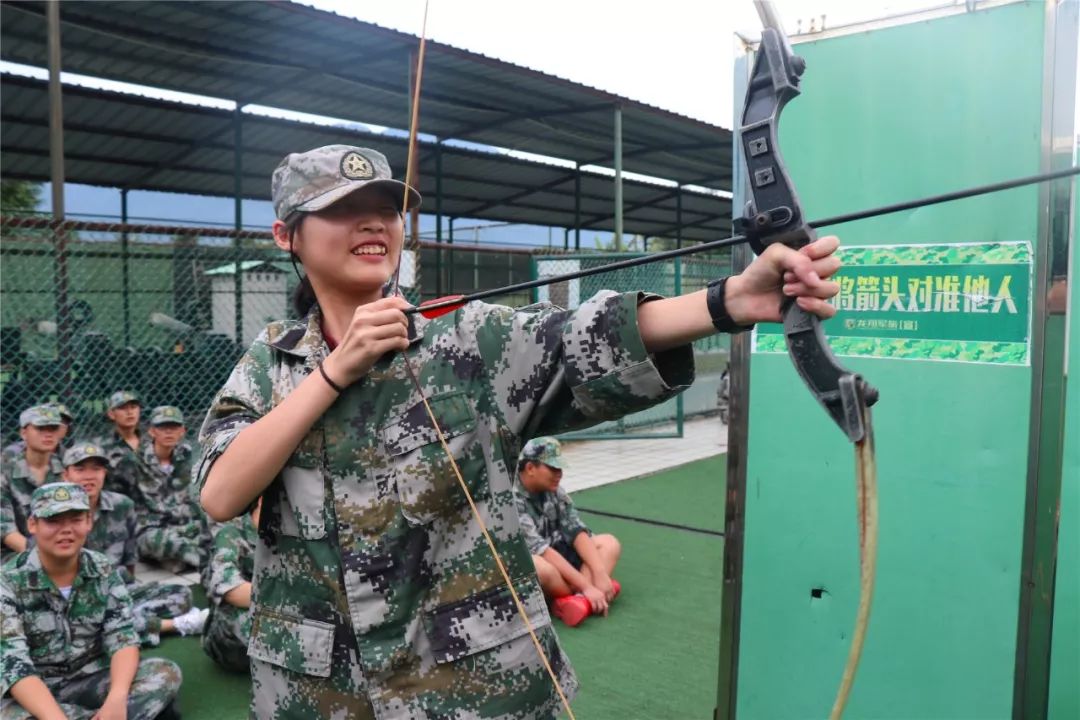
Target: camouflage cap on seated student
x,y
40,416
59,497
65,413
316,179
545,450
84,451
122,397
166,415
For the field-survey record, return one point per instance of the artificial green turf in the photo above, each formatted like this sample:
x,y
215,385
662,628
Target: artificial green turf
x,y
691,494
655,656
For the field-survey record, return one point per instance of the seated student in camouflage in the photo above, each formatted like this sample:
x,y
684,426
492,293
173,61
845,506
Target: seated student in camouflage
x,y
16,448
228,585
68,648
160,608
125,443
170,524
573,565
375,595
22,472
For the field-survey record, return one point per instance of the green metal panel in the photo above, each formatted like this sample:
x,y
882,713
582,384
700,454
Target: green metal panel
x,y
1064,699
886,115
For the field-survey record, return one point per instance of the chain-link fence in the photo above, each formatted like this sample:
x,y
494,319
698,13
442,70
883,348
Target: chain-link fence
x,y
668,278
87,308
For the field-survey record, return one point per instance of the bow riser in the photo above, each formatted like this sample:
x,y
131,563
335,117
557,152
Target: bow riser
x,y
775,216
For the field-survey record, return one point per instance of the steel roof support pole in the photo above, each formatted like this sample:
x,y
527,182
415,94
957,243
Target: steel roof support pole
x,y
438,221
577,207
618,180
56,172
450,263
125,270
238,219
680,410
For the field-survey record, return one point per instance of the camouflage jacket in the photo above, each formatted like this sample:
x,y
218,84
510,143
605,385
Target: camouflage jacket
x,y
165,497
114,532
232,562
125,464
16,487
43,634
547,518
369,498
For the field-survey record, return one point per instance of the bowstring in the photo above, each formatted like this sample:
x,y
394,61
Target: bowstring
x,y
413,124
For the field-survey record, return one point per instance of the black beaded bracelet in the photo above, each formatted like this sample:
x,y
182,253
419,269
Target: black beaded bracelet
x,y
329,382
717,305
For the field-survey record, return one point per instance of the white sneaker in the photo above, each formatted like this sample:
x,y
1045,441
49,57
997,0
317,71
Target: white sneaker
x,y
191,622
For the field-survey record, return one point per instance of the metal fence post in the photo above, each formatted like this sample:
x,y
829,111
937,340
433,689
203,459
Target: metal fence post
x,y
125,270
238,223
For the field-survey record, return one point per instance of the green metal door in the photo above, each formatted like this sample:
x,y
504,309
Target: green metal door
x,y
942,311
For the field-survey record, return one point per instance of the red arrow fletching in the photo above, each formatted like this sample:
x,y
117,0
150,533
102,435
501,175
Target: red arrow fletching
x,y
439,311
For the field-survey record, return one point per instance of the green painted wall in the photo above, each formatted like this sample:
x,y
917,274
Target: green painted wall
x,y
1064,702
889,115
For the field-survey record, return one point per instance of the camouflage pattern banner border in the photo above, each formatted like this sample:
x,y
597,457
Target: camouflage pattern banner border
x,y
955,302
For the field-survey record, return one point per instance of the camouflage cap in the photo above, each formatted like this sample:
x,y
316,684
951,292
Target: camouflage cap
x,y
122,397
65,413
84,451
545,450
165,415
316,179
59,497
40,416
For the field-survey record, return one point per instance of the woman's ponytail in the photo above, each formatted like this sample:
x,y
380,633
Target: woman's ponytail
x,y
303,297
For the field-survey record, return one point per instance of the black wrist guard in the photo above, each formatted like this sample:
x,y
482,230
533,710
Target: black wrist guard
x,y
721,320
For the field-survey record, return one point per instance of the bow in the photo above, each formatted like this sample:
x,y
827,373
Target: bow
x,y
775,216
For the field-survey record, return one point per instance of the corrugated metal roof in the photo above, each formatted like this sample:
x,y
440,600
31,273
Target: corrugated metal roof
x,y
291,56
127,141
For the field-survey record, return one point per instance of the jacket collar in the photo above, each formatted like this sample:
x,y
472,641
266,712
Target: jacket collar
x,y
38,579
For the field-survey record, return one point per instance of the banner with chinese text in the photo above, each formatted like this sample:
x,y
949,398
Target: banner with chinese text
x,y
955,302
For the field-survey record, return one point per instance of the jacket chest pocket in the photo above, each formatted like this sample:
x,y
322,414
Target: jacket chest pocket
x,y
427,485
302,504
45,634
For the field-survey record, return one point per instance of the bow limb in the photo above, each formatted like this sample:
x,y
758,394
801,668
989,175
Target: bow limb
x,y
774,215
518,604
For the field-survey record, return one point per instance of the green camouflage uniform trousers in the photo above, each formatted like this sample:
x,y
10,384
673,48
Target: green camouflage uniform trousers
x,y
125,464
16,487
69,643
549,520
113,535
232,563
375,594
170,522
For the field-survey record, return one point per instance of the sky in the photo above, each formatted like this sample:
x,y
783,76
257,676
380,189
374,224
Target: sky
x,y
676,54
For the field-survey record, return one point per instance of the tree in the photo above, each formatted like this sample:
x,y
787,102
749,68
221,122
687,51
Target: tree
x,y
19,195
636,244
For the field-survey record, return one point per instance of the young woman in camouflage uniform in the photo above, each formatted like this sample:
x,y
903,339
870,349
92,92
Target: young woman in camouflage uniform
x,y
375,595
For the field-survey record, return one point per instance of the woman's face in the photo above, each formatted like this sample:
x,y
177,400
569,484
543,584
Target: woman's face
x,y
352,246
